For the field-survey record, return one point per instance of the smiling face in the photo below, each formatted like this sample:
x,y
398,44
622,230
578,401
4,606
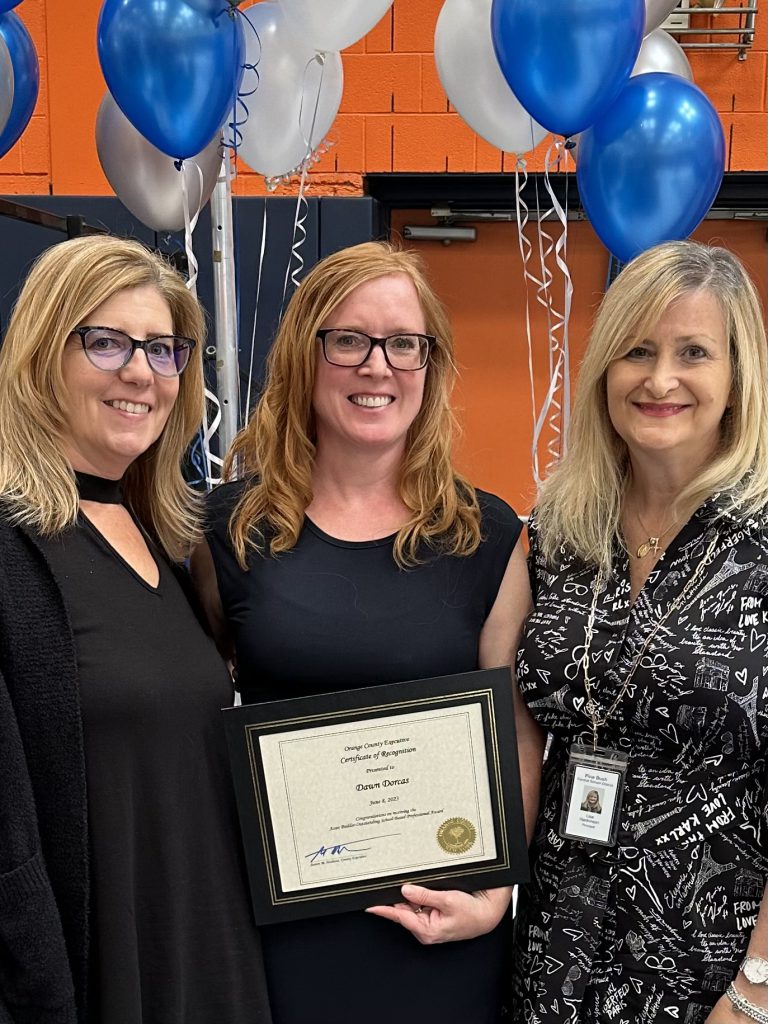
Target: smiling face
x,y
113,417
667,393
370,405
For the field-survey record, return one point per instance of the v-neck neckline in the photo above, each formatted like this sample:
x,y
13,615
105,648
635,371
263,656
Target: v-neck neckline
x,y
126,564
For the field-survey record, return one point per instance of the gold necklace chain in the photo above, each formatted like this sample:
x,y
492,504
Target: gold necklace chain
x,y
590,708
652,544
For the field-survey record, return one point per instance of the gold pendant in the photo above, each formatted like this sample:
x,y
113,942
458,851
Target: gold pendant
x,y
652,544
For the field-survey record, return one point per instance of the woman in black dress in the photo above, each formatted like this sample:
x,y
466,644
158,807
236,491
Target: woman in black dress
x,y
122,894
649,568
353,554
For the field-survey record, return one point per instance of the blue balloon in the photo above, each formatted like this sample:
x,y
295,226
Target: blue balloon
x,y
26,78
567,60
650,169
8,5
173,69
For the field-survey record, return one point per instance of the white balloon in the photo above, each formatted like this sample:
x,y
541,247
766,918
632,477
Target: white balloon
x,y
657,11
6,84
146,180
471,76
333,24
660,52
296,99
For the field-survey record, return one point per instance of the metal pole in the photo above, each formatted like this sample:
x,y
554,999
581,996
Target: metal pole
x,y
225,302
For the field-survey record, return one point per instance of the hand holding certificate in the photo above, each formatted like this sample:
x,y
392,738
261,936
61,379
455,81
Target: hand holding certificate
x,y
346,796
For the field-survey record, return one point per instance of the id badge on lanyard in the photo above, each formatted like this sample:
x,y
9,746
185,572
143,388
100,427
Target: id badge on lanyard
x,y
593,788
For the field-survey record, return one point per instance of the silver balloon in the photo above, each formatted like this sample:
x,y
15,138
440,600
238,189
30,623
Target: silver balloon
x,y
657,11
6,84
296,99
660,52
144,179
471,76
330,25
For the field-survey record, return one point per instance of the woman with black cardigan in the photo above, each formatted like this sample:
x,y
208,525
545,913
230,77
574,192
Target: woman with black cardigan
x,y
122,895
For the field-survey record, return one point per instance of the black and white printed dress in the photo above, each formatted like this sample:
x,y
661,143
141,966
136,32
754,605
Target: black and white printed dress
x,y
653,929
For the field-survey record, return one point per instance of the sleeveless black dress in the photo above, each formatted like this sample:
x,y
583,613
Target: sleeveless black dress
x,y
172,940
331,615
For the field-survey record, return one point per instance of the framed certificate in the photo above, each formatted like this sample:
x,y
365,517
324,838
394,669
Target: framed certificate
x,y
345,796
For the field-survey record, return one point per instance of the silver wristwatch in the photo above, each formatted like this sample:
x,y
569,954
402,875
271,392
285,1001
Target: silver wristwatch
x,y
755,970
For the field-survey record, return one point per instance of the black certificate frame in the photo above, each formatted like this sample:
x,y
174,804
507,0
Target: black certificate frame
x,y
244,725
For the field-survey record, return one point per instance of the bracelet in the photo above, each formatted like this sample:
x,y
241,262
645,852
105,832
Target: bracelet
x,y
741,1003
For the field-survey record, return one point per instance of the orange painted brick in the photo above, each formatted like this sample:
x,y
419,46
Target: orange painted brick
x,y
433,97
462,151
730,83
23,184
33,16
378,142
358,47
348,153
379,39
11,163
379,83
488,158
761,29
318,184
415,22
749,143
336,185
36,147
327,161
433,142
535,160
41,107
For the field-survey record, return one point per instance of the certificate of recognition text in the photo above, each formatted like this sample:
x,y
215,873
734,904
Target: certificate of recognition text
x,y
361,800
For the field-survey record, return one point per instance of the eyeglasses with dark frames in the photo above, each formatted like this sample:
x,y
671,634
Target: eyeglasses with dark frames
x,y
110,350
405,351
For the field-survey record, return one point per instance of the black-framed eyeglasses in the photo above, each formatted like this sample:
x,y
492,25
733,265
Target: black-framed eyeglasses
x,y
352,348
110,350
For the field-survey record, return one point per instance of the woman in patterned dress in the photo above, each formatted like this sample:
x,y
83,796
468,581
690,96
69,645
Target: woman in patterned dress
x,y
649,568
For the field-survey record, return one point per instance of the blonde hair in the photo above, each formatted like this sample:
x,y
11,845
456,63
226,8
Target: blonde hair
x,y
276,451
37,483
580,504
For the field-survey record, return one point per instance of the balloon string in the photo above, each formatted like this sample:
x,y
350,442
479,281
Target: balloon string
x,y
296,260
209,430
521,210
235,139
543,296
561,250
190,222
553,414
256,312
545,246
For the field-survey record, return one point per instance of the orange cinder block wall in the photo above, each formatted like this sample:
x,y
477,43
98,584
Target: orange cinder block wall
x,y
394,115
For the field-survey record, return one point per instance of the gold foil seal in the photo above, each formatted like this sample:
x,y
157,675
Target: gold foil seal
x,y
456,835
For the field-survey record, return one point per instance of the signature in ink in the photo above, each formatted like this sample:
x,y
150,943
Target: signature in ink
x,y
339,848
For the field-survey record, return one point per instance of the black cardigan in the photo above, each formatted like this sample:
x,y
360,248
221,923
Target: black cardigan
x,y
43,817
44,883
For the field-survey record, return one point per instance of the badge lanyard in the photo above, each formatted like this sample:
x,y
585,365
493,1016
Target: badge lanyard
x,y
595,776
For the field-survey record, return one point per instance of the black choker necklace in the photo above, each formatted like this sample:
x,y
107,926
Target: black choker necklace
x,y
96,488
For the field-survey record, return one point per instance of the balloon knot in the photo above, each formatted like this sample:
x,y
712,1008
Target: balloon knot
x,y
570,143
178,164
